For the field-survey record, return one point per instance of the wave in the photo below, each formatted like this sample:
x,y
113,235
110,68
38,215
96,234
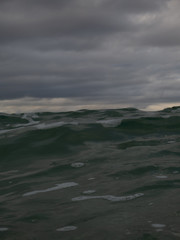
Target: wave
x,y
49,134
91,163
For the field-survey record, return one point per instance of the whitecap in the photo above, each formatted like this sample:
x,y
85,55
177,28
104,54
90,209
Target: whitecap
x,y
77,165
109,197
110,122
57,187
54,124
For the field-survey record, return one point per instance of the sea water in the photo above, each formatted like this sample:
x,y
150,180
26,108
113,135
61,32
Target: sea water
x,y
90,174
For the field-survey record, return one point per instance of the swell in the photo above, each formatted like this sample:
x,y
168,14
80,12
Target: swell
x,y
103,158
147,125
44,135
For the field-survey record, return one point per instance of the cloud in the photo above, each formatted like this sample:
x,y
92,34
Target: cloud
x,y
22,20
136,6
28,104
99,52
164,30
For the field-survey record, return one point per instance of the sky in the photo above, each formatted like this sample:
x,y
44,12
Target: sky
x,y
61,55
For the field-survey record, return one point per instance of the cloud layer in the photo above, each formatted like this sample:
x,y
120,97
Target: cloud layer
x,y
90,52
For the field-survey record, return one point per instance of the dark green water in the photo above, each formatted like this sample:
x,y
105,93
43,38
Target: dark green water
x,y
105,175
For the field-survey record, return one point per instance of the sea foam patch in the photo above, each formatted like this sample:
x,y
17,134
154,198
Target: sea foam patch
x,y
66,229
161,177
77,164
92,178
177,234
3,229
57,187
5,131
158,225
54,124
89,191
109,122
109,197
171,141
49,125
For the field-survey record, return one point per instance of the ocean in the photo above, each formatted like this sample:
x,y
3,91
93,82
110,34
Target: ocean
x,y
90,174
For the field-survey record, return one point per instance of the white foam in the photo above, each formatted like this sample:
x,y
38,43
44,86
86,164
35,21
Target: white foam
x,y
25,124
57,187
9,172
176,234
175,172
161,177
17,127
159,230
49,125
66,229
110,122
157,225
3,229
77,165
92,178
109,197
89,191
54,124
29,116
5,131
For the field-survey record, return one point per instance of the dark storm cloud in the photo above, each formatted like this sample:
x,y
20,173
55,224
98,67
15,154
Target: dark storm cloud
x,y
21,20
24,19
99,50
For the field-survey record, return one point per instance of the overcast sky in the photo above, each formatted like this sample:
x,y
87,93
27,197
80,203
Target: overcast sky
x,y
70,54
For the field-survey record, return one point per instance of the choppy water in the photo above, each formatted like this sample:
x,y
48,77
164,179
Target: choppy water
x,y
105,174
